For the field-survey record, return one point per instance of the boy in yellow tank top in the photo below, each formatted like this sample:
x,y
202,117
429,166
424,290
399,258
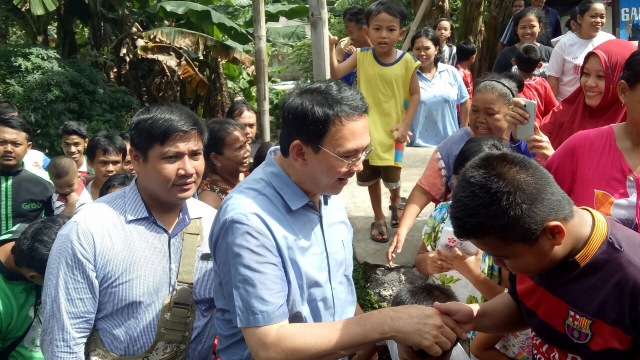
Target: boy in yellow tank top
x,y
387,79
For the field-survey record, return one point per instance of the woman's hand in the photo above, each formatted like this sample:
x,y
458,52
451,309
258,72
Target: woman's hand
x,y
468,266
517,115
539,144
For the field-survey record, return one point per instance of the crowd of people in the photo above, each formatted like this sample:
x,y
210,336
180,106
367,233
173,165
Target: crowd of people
x,y
190,239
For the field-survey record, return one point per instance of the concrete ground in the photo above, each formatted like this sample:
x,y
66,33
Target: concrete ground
x,y
358,206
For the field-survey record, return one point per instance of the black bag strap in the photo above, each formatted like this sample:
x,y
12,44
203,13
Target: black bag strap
x,y
4,354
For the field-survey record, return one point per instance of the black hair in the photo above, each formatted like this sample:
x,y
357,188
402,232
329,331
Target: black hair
x,y
389,7
354,14
121,179
508,197
261,154
527,58
16,122
31,249
585,5
501,85
530,11
219,130
239,107
7,108
475,146
158,123
465,50
423,293
631,70
429,34
573,16
309,112
125,136
61,166
516,79
109,143
69,128
452,37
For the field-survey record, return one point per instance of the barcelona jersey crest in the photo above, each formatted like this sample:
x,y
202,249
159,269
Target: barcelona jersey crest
x,y
578,327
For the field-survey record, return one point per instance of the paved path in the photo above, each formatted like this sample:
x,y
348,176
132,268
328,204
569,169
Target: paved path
x,y
360,214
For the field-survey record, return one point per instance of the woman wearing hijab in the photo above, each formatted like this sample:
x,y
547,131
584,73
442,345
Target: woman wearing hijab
x,y
599,167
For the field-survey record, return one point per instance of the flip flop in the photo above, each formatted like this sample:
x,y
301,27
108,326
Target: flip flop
x,y
395,219
381,227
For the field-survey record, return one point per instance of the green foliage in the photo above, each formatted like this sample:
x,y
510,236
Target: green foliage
x,y
366,298
50,91
302,57
448,280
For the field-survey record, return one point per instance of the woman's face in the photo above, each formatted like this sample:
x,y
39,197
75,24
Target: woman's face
x,y
488,116
592,81
235,157
249,121
593,20
444,31
425,51
528,29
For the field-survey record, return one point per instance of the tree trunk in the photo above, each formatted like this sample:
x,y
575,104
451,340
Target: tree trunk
x,y
500,12
472,28
217,99
66,44
440,8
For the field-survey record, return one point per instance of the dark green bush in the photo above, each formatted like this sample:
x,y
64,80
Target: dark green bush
x,y
50,91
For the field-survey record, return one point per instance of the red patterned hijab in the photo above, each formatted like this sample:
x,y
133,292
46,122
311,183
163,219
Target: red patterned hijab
x,y
573,115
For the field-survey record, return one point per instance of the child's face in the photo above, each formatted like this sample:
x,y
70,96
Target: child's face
x,y
520,258
444,31
67,184
356,34
384,31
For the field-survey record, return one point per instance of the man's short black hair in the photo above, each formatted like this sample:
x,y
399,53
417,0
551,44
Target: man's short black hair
x,y
389,7
309,112
31,249
158,123
109,143
527,58
121,179
7,108
424,293
465,50
70,128
17,123
355,14
508,197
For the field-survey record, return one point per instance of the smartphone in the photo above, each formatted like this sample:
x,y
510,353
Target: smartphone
x,y
448,241
524,131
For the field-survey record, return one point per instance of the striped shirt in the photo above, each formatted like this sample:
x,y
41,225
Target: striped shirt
x,y
111,268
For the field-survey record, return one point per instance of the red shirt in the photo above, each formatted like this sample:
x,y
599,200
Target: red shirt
x,y
538,90
467,78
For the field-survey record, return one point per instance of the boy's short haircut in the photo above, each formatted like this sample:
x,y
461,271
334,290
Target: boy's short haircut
x,y
121,179
424,293
507,197
527,58
7,108
70,128
108,142
61,166
158,123
389,7
474,147
16,122
354,14
309,112
465,50
31,249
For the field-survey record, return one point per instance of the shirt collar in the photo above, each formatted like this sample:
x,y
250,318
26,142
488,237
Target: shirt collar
x,y
137,209
14,171
288,189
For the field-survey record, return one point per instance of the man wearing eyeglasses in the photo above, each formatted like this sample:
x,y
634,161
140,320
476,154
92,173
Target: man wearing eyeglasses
x,y
282,245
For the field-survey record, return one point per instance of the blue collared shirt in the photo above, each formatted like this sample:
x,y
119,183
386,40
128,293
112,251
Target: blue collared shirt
x,y
112,267
278,257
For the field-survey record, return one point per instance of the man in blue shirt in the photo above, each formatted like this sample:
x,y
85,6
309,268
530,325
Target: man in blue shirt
x,y
552,30
282,245
115,262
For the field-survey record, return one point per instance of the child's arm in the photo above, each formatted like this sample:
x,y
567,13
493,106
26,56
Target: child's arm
x,y
339,70
470,268
483,347
70,208
500,315
414,99
428,262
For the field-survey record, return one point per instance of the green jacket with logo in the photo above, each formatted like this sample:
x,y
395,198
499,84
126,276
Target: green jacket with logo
x,y
22,197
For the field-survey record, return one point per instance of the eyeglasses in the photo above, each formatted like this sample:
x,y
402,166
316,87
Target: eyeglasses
x,y
353,162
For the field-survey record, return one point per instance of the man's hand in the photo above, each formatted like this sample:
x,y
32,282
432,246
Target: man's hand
x,y
425,328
